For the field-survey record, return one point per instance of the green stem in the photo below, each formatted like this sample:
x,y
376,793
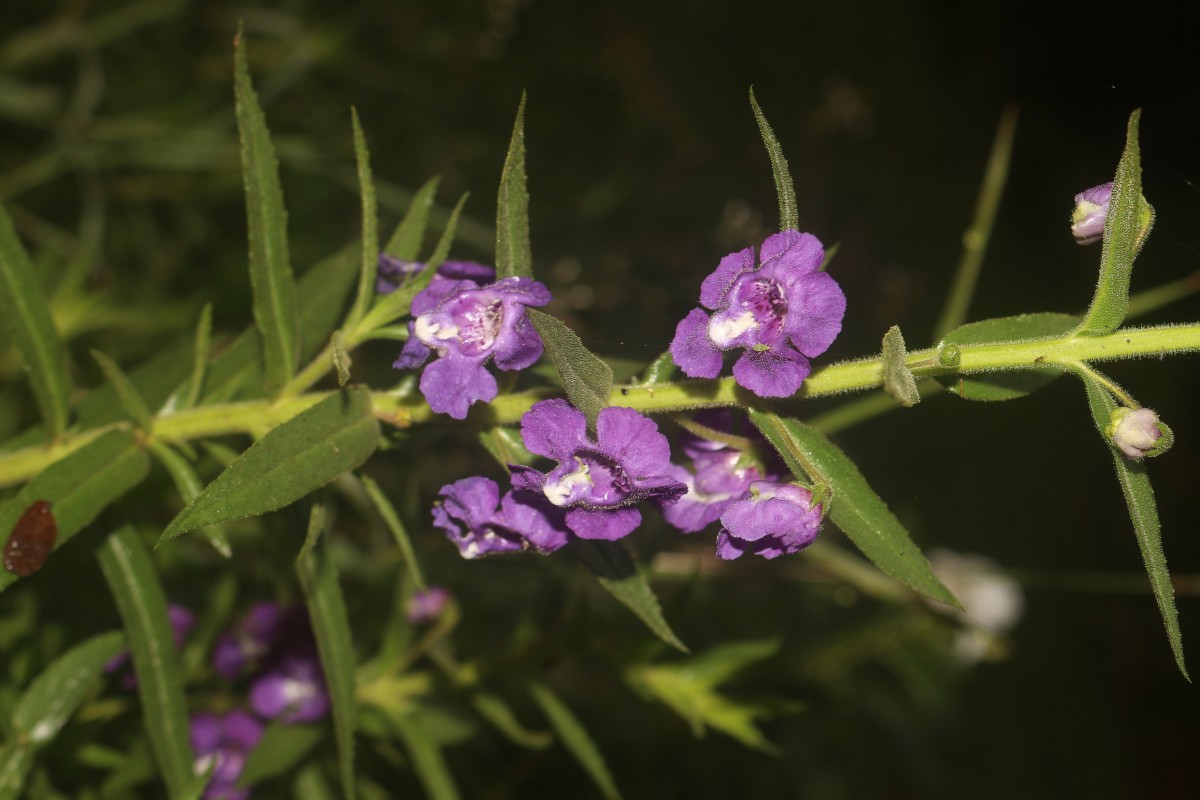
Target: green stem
x,y
256,417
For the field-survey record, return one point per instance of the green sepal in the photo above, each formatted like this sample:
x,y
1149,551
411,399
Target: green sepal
x,y
898,380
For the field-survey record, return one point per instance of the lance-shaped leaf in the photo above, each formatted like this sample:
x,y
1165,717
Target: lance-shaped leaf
x,y
26,315
200,353
392,520
789,218
854,507
300,456
616,571
514,255
405,241
427,759
587,380
493,708
78,487
1125,228
188,484
270,269
133,581
48,703
995,386
369,257
331,626
1143,511
281,748
576,739
131,400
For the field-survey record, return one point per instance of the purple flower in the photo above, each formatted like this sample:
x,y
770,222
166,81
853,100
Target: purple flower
x,y
467,324
775,520
395,271
1138,433
226,740
722,474
782,312
251,640
469,516
1091,207
599,481
427,605
182,621
293,690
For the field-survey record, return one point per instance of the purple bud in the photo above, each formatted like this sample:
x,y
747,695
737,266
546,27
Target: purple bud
x,y
250,641
427,605
293,691
1138,433
227,740
776,519
1091,207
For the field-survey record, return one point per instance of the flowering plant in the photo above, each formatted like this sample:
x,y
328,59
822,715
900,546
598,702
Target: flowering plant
x,y
335,454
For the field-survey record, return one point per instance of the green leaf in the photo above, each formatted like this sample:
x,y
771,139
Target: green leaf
x,y
132,579
854,507
898,380
270,269
587,380
79,486
501,716
331,625
26,315
188,484
49,702
789,218
281,748
300,456
200,357
310,785
616,571
392,520
405,242
427,760
194,790
1139,497
575,738
688,686
369,257
660,370
1006,385
341,359
514,256
131,399
506,446
1125,228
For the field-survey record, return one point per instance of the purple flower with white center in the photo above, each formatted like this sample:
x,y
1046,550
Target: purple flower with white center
x,y
468,514
394,271
256,634
775,520
227,740
782,312
182,621
1091,208
598,481
426,605
467,324
722,474
293,690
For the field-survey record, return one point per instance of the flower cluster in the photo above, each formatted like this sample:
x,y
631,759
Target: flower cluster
x,y
468,322
782,312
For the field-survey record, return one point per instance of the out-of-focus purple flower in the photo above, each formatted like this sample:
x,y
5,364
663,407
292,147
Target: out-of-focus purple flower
x,y
469,515
466,324
720,475
598,482
256,633
1138,433
992,603
227,740
775,520
426,605
395,271
1091,207
782,312
293,690
182,621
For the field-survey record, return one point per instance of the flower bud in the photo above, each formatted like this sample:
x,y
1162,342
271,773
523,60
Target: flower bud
x,y
1091,207
1139,433
427,605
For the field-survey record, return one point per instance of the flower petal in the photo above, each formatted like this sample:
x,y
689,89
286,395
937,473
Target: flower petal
x,y
716,285
771,373
554,428
692,350
519,346
633,441
540,523
792,251
414,353
606,524
815,313
451,384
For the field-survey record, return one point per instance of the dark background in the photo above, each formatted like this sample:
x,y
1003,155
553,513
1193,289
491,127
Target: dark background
x,y
645,167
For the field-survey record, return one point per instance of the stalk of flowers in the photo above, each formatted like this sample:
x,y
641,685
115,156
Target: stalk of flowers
x,y
467,323
781,312
274,645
